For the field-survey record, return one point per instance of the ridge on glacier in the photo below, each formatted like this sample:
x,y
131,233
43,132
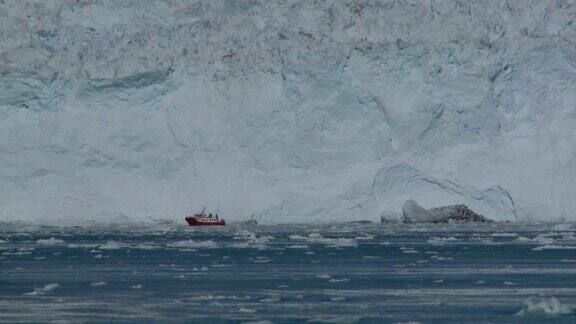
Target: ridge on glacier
x,y
290,110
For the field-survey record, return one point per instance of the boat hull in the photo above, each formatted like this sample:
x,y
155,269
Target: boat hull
x,y
193,221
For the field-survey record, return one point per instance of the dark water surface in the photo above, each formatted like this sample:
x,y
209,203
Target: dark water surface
x,y
292,273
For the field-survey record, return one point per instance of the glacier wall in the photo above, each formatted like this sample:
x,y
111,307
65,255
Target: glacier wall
x,y
290,110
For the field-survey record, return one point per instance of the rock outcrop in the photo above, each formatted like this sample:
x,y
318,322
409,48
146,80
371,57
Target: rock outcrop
x,y
414,213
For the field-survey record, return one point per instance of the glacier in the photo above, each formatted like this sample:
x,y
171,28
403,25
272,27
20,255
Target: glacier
x,y
290,110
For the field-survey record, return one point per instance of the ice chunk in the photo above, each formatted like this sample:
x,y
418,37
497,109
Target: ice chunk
x,y
297,246
111,245
440,240
366,237
553,247
50,241
504,235
43,290
315,238
209,244
562,227
145,247
550,306
49,287
414,213
333,280
98,284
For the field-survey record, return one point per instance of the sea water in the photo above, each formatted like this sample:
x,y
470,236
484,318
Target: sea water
x,y
343,273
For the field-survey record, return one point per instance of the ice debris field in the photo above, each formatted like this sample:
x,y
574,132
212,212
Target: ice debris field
x,y
340,273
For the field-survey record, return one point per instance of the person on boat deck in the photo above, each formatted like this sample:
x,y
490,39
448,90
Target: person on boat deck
x,y
210,215
216,216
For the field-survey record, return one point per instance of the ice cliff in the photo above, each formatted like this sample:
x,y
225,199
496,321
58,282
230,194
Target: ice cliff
x,y
291,110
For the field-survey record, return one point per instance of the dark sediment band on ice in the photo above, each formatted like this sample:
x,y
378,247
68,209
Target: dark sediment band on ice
x,y
414,213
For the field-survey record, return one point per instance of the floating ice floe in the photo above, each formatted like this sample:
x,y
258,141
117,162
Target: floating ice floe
x,y
562,227
209,244
315,238
338,280
111,245
258,322
408,250
440,240
221,297
337,319
98,284
297,246
554,247
144,247
244,234
550,306
43,290
261,259
270,300
366,237
251,240
504,235
538,239
50,241
82,245
324,276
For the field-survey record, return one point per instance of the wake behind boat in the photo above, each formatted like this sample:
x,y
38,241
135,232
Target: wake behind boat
x,y
203,219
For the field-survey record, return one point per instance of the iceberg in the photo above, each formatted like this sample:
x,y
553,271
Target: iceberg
x,y
414,213
456,213
544,306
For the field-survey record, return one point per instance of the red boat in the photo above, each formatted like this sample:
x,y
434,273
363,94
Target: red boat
x,y
205,220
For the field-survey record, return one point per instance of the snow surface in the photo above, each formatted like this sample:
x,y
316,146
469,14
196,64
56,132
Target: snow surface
x,y
116,111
